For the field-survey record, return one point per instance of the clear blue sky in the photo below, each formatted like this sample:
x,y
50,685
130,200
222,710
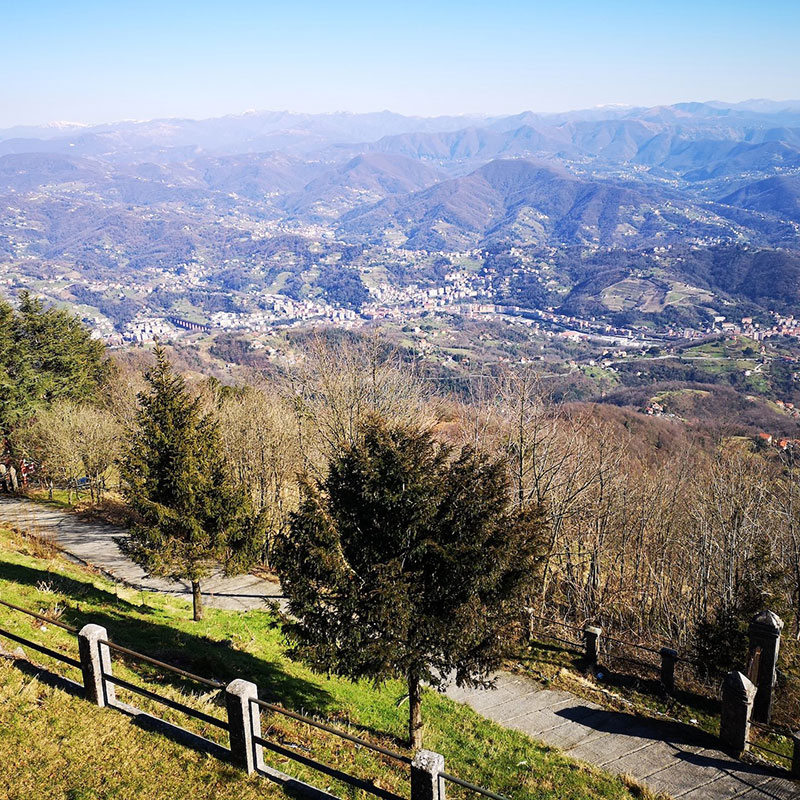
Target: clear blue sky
x,y
99,61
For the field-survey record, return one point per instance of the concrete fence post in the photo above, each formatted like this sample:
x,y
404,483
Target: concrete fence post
x,y
668,659
244,721
425,781
796,754
765,641
738,693
591,638
96,660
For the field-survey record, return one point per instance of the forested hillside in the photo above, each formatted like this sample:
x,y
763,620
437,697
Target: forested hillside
x,y
192,218
673,527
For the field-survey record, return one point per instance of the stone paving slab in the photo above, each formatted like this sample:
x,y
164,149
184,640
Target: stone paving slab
x,y
682,777
543,719
528,703
776,789
566,735
602,747
667,756
725,786
644,761
485,701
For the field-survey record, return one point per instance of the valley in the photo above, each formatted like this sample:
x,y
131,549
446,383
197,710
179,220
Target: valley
x,y
651,221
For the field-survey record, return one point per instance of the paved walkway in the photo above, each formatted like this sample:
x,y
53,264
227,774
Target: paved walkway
x,y
98,544
668,757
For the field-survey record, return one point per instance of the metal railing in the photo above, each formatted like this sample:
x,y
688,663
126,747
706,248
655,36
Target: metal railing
x,y
107,677
41,617
606,638
774,730
668,657
40,648
287,752
330,729
173,704
163,665
444,776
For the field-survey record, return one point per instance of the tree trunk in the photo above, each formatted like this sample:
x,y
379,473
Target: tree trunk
x,y
197,601
414,713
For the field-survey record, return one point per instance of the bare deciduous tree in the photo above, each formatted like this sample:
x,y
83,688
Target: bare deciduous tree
x,y
69,442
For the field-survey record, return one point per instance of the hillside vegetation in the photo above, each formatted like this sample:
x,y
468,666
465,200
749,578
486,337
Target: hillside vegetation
x,y
58,746
189,218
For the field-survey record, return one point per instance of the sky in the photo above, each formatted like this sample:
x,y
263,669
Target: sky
x,y
102,61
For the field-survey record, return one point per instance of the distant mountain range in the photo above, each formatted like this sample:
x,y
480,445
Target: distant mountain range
x,y
158,194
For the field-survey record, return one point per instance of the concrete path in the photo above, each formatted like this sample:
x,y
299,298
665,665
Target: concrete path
x,y
681,761
98,544
669,757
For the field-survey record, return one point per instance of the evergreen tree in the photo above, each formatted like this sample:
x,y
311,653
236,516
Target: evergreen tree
x,y
408,561
45,355
190,515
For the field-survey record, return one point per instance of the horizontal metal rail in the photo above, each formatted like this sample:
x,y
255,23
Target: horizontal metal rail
x,y
358,783
142,657
41,617
41,648
632,660
770,750
607,638
632,644
192,712
467,785
770,727
556,622
330,729
575,645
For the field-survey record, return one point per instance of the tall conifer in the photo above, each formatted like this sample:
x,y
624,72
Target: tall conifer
x,y
191,517
409,561
45,355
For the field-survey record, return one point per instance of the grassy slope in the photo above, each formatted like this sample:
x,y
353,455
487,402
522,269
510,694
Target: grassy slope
x,y
69,749
53,745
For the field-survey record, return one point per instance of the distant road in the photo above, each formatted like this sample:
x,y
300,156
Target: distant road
x,y
98,544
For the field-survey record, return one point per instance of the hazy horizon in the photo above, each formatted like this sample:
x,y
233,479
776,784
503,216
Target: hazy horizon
x,y
90,62
785,102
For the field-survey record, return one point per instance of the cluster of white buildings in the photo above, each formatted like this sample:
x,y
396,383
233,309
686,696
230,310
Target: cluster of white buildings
x,y
783,325
458,287
148,330
283,310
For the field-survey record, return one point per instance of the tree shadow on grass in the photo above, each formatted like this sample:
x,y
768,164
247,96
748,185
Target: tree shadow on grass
x,y
555,655
653,687
46,677
292,787
195,653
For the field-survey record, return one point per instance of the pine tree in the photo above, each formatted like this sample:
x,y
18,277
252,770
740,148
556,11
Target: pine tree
x,y
190,515
45,355
408,561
